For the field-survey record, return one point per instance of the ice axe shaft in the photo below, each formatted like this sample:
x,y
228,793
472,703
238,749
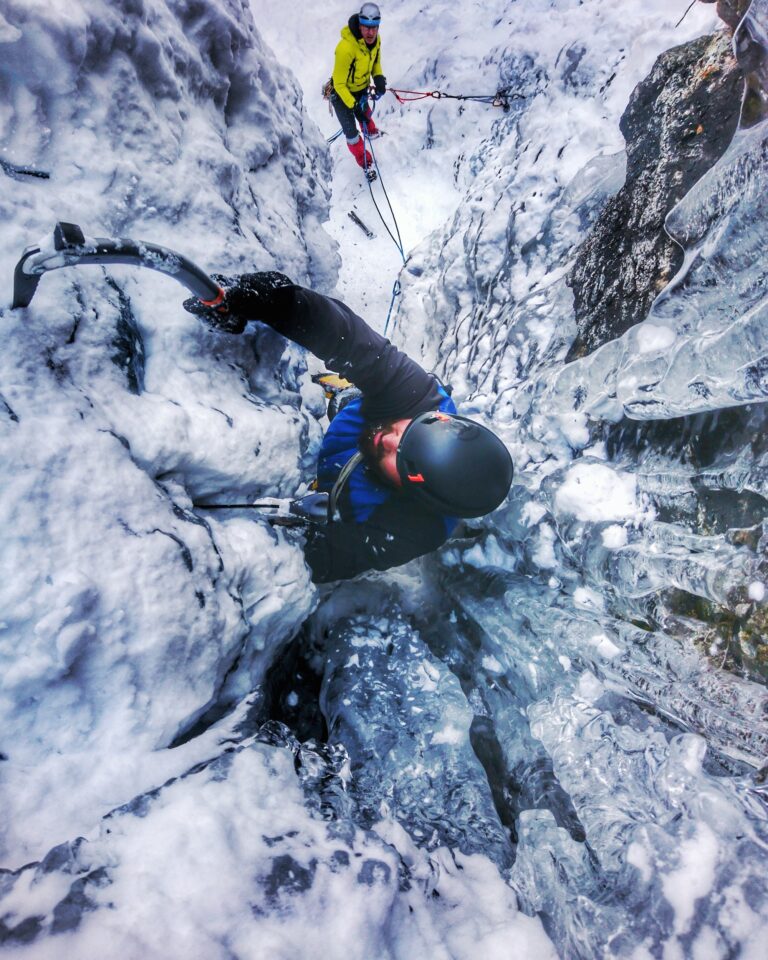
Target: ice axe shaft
x,y
311,508
69,247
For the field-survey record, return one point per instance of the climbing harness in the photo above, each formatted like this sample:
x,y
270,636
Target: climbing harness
x,y
501,98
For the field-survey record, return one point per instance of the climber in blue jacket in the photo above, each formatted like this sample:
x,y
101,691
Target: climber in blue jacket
x,y
401,465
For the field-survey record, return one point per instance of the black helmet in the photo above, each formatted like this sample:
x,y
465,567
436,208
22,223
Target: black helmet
x,y
454,465
370,15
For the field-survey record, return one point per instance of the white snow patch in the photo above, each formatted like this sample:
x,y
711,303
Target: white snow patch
x,y
532,512
574,428
589,688
605,646
596,452
587,599
492,664
614,537
450,734
756,591
544,550
652,337
595,492
694,876
638,856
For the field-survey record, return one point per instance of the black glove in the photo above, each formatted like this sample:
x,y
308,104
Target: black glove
x,y
246,297
360,110
380,82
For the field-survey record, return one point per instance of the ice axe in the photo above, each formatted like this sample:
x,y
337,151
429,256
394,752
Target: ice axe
x,y
69,247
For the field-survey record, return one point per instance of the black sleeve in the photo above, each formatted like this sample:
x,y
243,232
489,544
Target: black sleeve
x,y
391,536
392,384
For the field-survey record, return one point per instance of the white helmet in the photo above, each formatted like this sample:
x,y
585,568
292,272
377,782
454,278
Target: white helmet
x,y
370,15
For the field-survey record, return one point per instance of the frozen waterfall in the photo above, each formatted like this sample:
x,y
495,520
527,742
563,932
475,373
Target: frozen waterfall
x,y
550,738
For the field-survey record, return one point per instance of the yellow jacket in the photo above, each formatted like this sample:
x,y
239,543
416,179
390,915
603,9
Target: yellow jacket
x,y
354,65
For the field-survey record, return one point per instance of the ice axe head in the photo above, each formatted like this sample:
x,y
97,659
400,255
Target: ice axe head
x,y
68,247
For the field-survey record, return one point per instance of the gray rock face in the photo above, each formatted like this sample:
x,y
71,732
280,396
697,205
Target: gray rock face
x,y
678,123
731,11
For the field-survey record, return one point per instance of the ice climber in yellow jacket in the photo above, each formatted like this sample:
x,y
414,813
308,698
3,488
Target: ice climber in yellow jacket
x,y
358,60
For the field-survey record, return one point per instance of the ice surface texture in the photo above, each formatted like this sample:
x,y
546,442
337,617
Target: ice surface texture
x,y
618,600
565,714
126,614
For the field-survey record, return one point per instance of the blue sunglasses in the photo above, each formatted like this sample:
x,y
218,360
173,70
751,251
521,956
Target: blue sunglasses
x,y
369,23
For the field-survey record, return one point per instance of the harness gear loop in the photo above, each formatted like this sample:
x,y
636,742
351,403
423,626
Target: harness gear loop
x,y
344,475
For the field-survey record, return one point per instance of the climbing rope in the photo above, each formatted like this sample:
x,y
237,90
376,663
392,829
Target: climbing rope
x,y
397,240
396,291
688,10
501,98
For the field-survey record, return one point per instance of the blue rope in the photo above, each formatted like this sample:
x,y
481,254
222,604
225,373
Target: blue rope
x,y
396,288
396,291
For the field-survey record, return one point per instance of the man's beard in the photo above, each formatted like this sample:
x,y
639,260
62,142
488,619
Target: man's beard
x,y
374,453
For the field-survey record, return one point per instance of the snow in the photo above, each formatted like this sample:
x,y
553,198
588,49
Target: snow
x,y
756,591
605,646
651,337
614,536
136,824
693,878
595,491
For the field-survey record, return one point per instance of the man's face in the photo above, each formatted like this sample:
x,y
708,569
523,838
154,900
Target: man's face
x,y
380,443
368,33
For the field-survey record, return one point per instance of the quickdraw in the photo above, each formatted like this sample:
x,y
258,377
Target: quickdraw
x,y
501,98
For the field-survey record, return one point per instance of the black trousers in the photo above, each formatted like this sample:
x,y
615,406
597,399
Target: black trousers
x,y
345,114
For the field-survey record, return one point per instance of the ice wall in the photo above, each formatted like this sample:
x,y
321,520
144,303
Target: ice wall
x,y
610,620
563,715
126,614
